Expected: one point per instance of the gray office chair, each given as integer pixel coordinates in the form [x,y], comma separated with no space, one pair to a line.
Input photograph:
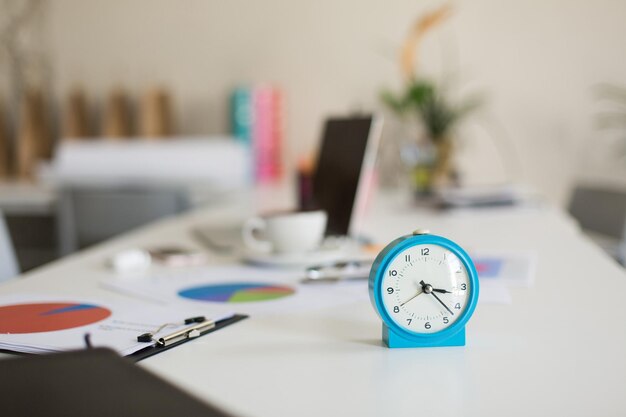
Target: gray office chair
[88,215]
[8,262]
[602,211]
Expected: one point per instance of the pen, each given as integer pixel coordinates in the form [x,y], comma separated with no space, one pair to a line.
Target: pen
[339,271]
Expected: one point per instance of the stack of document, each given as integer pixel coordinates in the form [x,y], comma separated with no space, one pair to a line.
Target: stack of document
[42,324]
[479,196]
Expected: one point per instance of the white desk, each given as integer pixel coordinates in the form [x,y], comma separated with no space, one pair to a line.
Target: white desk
[559,349]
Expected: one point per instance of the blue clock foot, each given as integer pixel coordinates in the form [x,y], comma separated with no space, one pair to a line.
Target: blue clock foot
[394,340]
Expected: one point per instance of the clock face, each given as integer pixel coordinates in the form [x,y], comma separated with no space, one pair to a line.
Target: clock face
[425,289]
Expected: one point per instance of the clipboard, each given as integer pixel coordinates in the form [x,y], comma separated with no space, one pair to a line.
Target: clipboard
[156,349]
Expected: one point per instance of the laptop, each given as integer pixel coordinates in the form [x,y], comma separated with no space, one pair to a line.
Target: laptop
[345,171]
[342,182]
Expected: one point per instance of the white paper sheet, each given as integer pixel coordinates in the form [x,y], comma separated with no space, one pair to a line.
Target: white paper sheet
[239,288]
[112,325]
[513,269]
[494,293]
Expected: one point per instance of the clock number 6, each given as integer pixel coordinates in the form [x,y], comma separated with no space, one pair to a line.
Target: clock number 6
[427,325]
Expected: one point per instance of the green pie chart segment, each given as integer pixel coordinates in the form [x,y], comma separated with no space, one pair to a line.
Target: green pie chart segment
[244,292]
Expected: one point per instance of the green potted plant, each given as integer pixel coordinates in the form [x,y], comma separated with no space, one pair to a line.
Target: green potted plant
[430,103]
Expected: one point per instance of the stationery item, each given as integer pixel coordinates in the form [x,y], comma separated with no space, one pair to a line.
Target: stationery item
[131,260]
[156,348]
[285,232]
[218,163]
[249,290]
[241,115]
[267,132]
[478,196]
[190,332]
[305,171]
[33,139]
[76,116]
[338,271]
[5,169]
[257,120]
[117,123]
[425,289]
[138,260]
[218,241]
[321,255]
[175,256]
[92,382]
[491,292]
[513,269]
[156,114]
[45,324]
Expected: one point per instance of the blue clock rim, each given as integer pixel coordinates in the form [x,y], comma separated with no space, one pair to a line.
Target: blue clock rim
[389,253]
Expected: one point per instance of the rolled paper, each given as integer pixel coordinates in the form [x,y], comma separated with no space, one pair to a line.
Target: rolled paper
[33,139]
[156,114]
[5,169]
[117,116]
[76,116]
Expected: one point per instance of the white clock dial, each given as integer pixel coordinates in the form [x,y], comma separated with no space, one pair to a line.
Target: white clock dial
[425,288]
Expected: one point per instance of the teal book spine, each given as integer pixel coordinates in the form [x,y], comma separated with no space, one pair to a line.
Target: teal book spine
[241,115]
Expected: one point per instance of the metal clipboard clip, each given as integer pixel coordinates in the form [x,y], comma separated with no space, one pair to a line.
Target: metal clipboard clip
[201,326]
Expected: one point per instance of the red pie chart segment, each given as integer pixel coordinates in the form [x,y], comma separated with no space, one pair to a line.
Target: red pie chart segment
[48,317]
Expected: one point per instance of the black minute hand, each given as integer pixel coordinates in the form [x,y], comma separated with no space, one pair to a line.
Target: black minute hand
[435,295]
[428,289]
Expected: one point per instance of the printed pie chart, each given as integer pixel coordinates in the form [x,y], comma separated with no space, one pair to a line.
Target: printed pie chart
[48,317]
[245,292]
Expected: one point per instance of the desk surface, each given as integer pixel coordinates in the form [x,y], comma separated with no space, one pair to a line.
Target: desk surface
[558,349]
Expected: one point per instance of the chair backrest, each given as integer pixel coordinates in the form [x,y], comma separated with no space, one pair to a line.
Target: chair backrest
[8,262]
[88,215]
[600,210]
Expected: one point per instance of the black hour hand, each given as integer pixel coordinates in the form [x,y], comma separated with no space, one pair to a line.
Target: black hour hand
[431,289]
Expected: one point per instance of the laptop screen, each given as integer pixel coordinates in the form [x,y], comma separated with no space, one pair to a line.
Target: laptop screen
[340,163]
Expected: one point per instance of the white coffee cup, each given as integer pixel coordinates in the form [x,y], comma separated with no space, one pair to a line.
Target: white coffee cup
[288,232]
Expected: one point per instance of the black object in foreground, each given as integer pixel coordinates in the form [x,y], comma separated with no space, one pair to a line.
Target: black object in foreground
[95,383]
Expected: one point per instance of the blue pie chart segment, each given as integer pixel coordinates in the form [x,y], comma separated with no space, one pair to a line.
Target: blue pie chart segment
[243,292]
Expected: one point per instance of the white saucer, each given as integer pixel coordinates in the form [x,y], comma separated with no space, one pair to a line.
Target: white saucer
[292,260]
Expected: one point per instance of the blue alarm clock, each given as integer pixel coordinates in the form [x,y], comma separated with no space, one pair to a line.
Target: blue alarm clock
[425,289]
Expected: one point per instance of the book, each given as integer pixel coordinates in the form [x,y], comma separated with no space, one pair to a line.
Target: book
[257,120]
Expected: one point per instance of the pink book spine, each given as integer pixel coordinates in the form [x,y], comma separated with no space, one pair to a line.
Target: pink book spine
[268,133]
[262,133]
[278,134]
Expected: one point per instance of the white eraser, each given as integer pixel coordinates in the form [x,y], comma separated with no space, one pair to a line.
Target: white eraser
[131,260]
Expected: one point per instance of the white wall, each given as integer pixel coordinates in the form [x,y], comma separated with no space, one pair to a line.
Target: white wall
[536,60]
